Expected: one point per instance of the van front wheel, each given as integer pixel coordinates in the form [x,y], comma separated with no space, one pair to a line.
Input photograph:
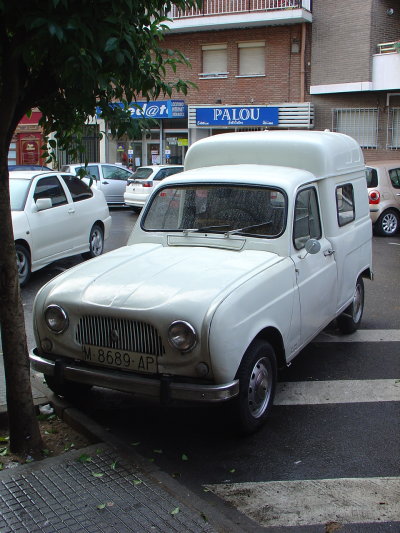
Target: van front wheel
[257,376]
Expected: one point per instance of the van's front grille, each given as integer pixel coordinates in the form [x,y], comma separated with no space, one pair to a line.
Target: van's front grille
[119,334]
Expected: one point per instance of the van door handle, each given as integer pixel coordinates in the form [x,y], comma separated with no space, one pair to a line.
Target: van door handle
[71,211]
[104,182]
[328,252]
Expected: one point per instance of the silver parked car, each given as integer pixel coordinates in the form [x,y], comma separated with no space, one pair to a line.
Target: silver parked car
[109,178]
[383,181]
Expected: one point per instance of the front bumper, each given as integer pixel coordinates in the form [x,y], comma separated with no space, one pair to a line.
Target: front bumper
[163,388]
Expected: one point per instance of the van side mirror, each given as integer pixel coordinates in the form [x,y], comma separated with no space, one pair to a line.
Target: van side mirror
[312,246]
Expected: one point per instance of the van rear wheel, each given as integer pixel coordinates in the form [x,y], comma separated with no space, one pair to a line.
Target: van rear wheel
[349,321]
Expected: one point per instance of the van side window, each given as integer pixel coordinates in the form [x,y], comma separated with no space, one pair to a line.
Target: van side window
[345,204]
[307,222]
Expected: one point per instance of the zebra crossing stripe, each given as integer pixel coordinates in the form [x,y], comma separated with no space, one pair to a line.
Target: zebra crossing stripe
[339,391]
[314,502]
[362,335]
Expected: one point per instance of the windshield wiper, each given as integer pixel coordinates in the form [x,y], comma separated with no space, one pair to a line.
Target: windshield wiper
[238,230]
[205,228]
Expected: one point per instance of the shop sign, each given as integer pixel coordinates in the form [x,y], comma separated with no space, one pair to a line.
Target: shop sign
[159,109]
[237,116]
[183,142]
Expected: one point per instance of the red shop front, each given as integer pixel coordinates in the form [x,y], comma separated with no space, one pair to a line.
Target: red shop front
[29,140]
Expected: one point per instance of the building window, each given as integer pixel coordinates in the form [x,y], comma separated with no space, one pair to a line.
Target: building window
[252,58]
[361,124]
[214,61]
[394,128]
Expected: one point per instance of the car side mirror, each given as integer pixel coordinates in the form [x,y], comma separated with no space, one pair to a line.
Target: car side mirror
[43,203]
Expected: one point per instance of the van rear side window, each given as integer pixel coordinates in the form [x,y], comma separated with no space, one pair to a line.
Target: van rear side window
[345,204]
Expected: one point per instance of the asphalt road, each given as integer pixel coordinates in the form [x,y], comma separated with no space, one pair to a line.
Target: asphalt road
[328,458]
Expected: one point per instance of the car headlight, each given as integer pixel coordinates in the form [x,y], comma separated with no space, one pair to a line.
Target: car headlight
[182,336]
[56,318]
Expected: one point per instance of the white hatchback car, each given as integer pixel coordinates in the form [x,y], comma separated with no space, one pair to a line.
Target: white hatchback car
[55,215]
[143,182]
[109,178]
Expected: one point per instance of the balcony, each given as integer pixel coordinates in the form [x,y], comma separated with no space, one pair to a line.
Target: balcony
[226,14]
[386,67]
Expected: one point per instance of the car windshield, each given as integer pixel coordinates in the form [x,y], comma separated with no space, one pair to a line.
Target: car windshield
[18,193]
[142,173]
[218,208]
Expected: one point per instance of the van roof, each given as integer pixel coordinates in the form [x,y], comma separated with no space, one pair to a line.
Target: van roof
[323,153]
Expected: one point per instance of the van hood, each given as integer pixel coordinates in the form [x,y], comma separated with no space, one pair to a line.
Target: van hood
[149,276]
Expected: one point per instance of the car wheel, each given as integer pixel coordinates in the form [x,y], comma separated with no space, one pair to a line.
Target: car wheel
[349,321]
[388,223]
[96,242]
[67,389]
[257,376]
[23,264]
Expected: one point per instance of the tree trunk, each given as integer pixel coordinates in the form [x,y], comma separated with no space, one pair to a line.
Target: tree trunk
[24,430]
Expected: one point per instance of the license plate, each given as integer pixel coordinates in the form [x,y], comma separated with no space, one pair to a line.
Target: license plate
[120,359]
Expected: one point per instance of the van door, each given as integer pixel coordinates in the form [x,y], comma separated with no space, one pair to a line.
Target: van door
[316,273]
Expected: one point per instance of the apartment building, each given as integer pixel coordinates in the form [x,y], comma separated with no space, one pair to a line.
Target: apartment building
[323,64]
[355,72]
[250,62]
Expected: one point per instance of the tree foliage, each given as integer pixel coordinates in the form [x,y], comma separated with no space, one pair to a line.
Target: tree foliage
[68,58]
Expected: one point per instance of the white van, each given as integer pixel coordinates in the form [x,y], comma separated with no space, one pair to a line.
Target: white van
[233,267]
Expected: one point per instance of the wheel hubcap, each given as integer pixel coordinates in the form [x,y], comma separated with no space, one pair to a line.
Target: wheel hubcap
[97,243]
[22,265]
[357,303]
[260,384]
[389,223]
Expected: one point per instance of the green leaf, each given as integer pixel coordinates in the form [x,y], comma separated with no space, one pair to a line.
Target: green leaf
[114,465]
[232,470]
[135,443]
[185,457]
[175,511]
[97,474]
[157,451]
[111,44]
[4,439]
[84,458]
[101,506]
[137,481]
[3,451]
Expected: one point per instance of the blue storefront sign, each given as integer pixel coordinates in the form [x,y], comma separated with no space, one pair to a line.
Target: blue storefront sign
[159,109]
[237,116]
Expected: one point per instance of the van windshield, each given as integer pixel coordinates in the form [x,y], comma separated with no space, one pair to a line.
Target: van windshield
[218,208]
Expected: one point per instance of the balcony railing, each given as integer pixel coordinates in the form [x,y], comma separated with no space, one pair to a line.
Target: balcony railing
[226,7]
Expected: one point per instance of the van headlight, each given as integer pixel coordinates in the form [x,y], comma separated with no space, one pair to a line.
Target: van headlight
[56,318]
[182,336]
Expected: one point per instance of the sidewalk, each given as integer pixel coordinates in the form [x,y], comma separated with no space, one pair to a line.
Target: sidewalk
[113,490]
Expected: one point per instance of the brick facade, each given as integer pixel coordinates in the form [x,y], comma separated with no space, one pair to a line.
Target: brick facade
[281,82]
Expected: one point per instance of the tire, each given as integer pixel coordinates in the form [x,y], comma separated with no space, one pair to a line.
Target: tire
[350,320]
[388,223]
[257,376]
[23,264]
[68,389]
[96,242]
